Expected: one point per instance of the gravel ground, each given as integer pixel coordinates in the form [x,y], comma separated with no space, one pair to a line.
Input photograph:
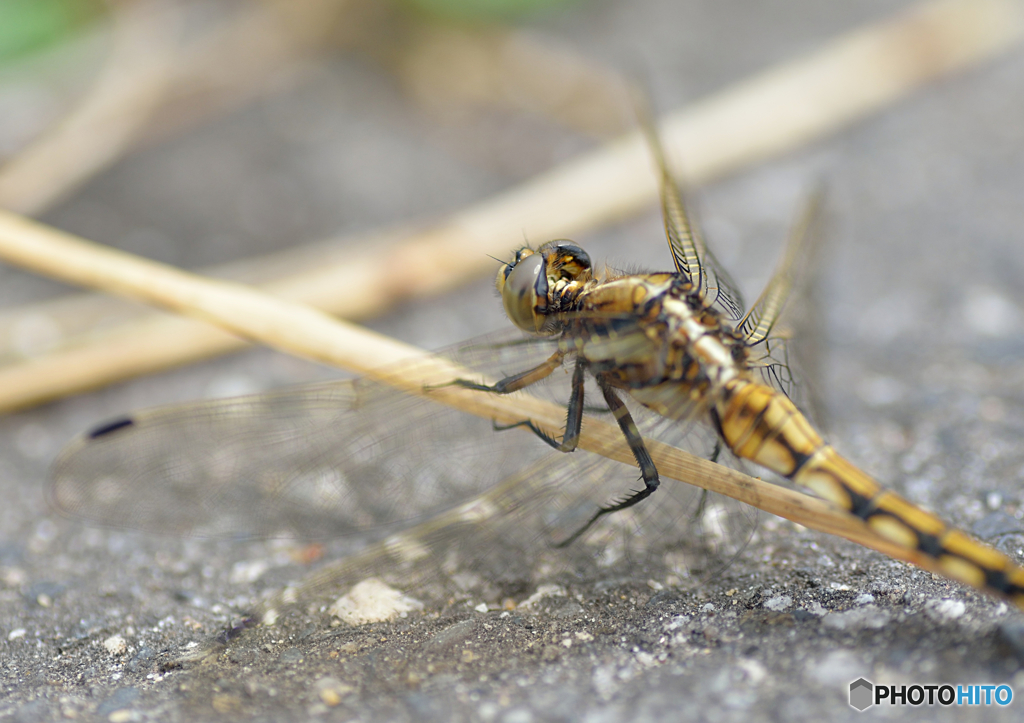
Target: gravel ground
[919,377]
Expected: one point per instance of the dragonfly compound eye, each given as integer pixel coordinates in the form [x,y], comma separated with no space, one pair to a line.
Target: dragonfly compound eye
[566,260]
[525,293]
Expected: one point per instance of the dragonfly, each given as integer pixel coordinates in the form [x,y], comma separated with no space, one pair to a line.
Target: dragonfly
[675,358]
[679,344]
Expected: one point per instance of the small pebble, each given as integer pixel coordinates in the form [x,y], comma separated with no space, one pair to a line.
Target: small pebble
[944,610]
[816,608]
[372,601]
[543,591]
[115,645]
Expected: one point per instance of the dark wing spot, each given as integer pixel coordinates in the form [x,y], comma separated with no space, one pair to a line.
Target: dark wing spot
[111,426]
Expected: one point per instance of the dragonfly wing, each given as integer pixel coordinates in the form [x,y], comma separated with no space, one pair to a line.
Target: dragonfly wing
[314,461]
[679,518]
[358,457]
[693,260]
[509,533]
[680,530]
[758,322]
[770,348]
[698,532]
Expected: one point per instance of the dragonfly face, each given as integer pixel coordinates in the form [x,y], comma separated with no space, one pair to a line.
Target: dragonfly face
[537,284]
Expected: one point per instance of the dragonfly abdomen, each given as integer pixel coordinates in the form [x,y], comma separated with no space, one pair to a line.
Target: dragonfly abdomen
[762,425]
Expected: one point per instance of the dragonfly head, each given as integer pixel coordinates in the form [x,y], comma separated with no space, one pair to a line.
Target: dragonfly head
[535,284]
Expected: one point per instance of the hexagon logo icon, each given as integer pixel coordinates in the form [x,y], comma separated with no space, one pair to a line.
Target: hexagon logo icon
[861,694]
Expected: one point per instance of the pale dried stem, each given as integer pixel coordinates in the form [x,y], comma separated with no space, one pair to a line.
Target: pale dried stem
[312,334]
[778,110]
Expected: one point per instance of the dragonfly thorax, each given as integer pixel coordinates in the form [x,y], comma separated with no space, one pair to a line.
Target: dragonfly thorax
[537,284]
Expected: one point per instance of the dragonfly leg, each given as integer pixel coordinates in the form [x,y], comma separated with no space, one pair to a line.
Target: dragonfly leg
[716,452]
[702,504]
[573,420]
[636,445]
[517,381]
[648,471]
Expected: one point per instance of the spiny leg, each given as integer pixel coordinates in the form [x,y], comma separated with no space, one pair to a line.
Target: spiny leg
[648,472]
[573,420]
[514,382]
[716,452]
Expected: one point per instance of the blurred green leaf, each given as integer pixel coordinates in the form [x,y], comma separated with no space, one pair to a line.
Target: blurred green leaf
[30,25]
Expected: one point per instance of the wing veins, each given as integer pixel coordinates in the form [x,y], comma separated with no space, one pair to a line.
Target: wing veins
[762,316]
[693,260]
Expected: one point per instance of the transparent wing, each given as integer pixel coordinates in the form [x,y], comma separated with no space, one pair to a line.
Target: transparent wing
[693,259]
[358,457]
[682,530]
[315,461]
[761,318]
[769,347]
[508,534]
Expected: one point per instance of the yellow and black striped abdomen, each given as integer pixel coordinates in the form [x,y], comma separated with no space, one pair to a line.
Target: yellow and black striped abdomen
[762,425]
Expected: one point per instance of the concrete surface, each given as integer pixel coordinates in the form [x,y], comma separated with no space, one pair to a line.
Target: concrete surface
[921,377]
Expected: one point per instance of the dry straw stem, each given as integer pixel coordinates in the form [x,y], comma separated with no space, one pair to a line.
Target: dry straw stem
[313,334]
[775,111]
